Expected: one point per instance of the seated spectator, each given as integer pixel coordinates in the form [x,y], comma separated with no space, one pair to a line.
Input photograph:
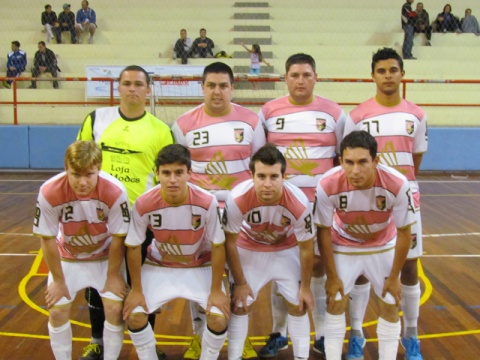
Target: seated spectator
[422,22]
[202,46]
[469,23]
[67,22]
[16,63]
[44,61]
[86,21]
[182,47]
[50,21]
[446,21]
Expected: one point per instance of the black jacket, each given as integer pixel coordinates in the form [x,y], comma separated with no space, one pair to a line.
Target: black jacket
[49,61]
[49,18]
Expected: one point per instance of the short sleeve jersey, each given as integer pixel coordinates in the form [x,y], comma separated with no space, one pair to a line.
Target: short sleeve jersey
[400,131]
[129,146]
[307,135]
[220,147]
[367,217]
[183,234]
[82,226]
[268,227]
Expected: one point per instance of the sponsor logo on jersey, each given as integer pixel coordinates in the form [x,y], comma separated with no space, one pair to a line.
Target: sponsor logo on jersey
[410,127]
[218,174]
[196,221]
[285,221]
[297,159]
[381,202]
[239,134]
[321,124]
[100,214]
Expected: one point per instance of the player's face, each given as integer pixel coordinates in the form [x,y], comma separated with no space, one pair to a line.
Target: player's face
[359,167]
[133,88]
[183,34]
[268,182]
[217,93]
[173,179]
[388,76]
[83,182]
[301,80]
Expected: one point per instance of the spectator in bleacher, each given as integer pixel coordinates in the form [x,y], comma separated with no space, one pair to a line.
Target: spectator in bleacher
[16,63]
[469,23]
[446,21]
[422,22]
[86,21]
[44,61]
[67,22]
[408,25]
[182,47]
[50,21]
[202,46]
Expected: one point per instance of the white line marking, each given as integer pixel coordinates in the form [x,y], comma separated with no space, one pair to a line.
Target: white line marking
[18,254]
[453,234]
[15,234]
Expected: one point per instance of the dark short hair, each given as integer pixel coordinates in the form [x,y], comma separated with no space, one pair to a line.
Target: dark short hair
[217,68]
[47,6]
[16,43]
[300,58]
[359,139]
[203,29]
[135,68]
[268,154]
[42,43]
[385,54]
[174,154]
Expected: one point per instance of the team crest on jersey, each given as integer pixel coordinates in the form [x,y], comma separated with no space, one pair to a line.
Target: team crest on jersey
[381,202]
[196,221]
[239,135]
[410,127]
[285,221]
[321,124]
[100,214]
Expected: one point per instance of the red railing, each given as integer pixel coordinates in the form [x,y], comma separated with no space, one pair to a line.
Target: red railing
[112,101]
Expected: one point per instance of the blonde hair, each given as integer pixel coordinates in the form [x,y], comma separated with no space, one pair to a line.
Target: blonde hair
[82,155]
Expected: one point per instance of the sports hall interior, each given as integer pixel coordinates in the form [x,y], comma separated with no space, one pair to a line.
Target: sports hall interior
[341,35]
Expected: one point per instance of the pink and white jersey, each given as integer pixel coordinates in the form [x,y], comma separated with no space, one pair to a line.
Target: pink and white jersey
[220,147]
[268,227]
[367,217]
[183,234]
[82,226]
[307,135]
[400,131]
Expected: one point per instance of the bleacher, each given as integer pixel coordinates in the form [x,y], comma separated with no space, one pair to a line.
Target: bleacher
[341,35]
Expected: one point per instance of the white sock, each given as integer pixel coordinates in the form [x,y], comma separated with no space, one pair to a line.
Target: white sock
[144,342]
[61,341]
[113,340]
[299,330]
[237,333]
[320,296]
[335,328]
[359,297]
[212,345]
[388,334]
[279,312]
[199,319]
[411,309]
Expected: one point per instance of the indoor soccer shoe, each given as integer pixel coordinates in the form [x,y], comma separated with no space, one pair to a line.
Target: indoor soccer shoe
[275,343]
[319,346]
[248,350]
[160,354]
[92,352]
[355,348]
[195,349]
[412,348]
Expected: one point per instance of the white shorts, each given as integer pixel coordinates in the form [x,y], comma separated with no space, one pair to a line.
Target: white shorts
[416,248]
[375,264]
[82,274]
[162,284]
[283,267]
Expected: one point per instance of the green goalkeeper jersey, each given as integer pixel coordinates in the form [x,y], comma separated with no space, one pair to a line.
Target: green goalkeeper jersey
[129,146]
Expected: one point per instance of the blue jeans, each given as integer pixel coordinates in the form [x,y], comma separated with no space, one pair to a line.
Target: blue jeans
[408,41]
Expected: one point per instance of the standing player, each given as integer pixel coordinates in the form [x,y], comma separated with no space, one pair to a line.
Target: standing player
[186,258]
[221,137]
[307,129]
[130,139]
[268,226]
[363,212]
[82,218]
[400,128]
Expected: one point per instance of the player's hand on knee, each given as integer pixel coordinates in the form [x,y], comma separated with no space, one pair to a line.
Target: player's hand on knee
[334,286]
[55,291]
[134,299]
[393,286]
[239,296]
[220,301]
[117,285]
